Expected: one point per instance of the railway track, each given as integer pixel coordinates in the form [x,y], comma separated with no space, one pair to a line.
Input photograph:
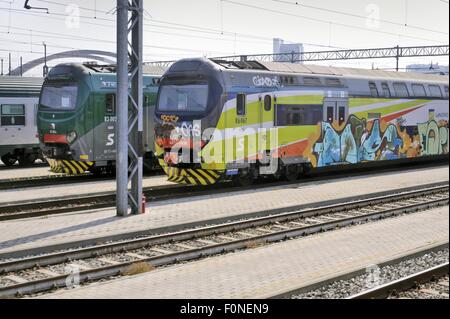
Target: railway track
[104,200]
[430,283]
[52,180]
[37,208]
[56,179]
[36,274]
[49,180]
[3,167]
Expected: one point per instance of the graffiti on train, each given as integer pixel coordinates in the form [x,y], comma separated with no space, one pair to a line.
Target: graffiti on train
[357,142]
[433,137]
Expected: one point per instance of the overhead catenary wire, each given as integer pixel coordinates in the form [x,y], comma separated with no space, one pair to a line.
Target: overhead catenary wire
[171,25]
[326,21]
[354,15]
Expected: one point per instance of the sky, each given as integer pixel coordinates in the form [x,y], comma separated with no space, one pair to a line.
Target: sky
[175,29]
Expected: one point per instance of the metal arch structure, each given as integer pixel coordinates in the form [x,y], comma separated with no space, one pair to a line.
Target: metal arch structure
[336,55]
[103,56]
[130,38]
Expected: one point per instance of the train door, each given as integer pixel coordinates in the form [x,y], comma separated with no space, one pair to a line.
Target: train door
[342,111]
[149,124]
[105,130]
[335,110]
[266,124]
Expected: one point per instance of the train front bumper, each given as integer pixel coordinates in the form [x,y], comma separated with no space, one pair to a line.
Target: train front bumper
[69,166]
[190,176]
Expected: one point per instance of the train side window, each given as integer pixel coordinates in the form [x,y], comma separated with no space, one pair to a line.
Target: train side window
[401,90]
[267,103]
[419,90]
[446,92]
[12,115]
[373,89]
[386,90]
[110,104]
[435,91]
[241,107]
[341,115]
[330,114]
[295,115]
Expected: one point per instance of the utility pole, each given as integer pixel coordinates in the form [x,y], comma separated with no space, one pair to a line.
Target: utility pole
[21,66]
[45,70]
[9,67]
[2,66]
[397,58]
[129,127]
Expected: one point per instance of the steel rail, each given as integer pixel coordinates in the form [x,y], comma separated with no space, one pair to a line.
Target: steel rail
[403,284]
[3,167]
[215,248]
[37,208]
[104,200]
[38,181]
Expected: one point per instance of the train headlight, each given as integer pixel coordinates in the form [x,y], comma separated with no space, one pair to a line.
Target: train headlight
[71,137]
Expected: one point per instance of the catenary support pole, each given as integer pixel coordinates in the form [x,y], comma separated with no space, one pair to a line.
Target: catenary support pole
[130,105]
[136,144]
[122,109]
[397,59]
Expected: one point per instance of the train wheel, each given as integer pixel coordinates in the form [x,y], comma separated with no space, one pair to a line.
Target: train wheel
[9,160]
[245,178]
[96,171]
[292,172]
[306,170]
[27,159]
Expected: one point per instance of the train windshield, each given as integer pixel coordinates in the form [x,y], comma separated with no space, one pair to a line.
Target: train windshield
[59,97]
[183,98]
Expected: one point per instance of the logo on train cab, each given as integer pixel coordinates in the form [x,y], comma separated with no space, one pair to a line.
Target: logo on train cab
[266,81]
[108,84]
[170,118]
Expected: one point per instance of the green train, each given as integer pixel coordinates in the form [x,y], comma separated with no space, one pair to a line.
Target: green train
[77,117]
[221,120]
[19,97]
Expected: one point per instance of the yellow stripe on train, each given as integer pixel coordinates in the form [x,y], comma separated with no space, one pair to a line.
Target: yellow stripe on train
[69,167]
[191,176]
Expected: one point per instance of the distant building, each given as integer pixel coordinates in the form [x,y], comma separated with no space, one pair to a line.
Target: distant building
[428,68]
[292,51]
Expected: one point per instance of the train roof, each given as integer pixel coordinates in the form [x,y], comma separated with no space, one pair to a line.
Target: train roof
[75,70]
[309,69]
[17,86]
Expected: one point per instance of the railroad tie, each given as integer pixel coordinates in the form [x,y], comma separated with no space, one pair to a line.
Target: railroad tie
[162,251]
[109,261]
[206,242]
[243,233]
[433,293]
[226,238]
[48,272]
[184,246]
[137,256]
[16,279]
